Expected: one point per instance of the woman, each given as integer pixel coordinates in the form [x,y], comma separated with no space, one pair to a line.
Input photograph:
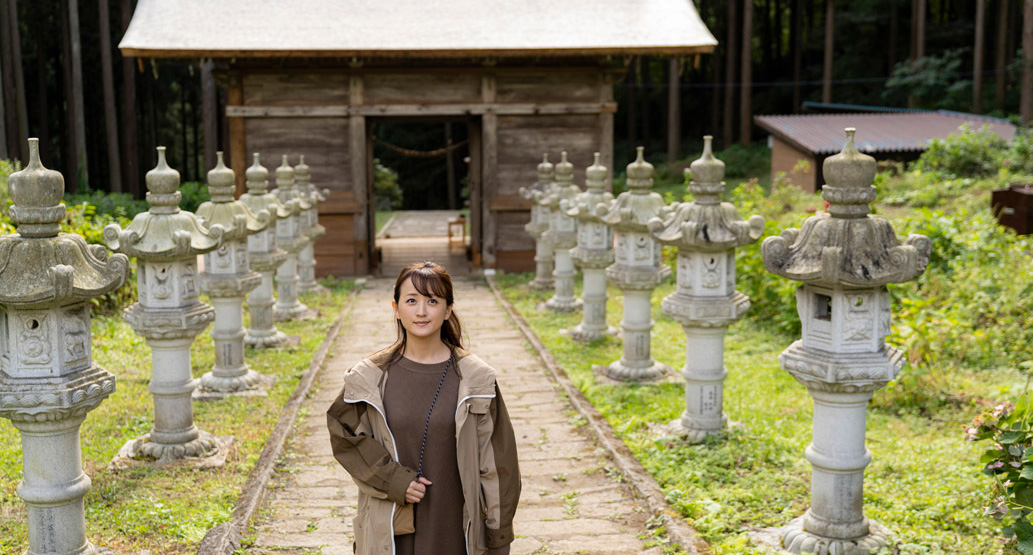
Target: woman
[422,429]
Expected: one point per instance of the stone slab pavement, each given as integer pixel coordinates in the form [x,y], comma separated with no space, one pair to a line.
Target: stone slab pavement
[569,504]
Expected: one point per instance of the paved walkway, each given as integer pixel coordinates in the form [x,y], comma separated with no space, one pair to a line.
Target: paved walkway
[568,504]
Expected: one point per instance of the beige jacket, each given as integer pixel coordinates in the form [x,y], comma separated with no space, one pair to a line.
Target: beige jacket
[485,447]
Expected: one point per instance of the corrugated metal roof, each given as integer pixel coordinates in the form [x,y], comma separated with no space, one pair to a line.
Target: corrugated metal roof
[414,28]
[823,133]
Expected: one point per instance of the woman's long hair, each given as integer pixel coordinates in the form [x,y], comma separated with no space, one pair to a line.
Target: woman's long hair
[429,279]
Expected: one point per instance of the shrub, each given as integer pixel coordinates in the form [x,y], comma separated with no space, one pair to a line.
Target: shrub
[965,153]
[194,194]
[1009,461]
[746,161]
[118,205]
[386,188]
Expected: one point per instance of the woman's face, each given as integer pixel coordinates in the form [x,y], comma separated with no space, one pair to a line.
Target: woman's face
[421,316]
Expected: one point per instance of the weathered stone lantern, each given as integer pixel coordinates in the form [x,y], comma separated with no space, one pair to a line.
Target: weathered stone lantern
[594,252]
[310,228]
[706,232]
[168,314]
[290,238]
[48,380]
[844,258]
[637,270]
[226,279]
[562,235]
[265,257]
[539,224]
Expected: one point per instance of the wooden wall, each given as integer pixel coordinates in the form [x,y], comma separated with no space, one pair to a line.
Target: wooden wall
[521,112]
[786,158]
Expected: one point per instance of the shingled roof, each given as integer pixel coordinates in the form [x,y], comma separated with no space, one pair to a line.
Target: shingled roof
[882,132]
[414,28]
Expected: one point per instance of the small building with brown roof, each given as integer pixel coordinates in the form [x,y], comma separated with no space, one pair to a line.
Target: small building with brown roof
[313,76]
[800,143]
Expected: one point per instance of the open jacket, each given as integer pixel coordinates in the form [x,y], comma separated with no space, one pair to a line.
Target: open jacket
[485,449]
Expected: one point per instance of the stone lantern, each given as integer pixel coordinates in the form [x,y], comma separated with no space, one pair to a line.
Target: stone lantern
[48,380]
[562,236]
[290,238]
[310,228]
[844,259]
[168,314]
[539,224]
[265,258]
[706,232]
[594,252]
[226,279]
[637,270]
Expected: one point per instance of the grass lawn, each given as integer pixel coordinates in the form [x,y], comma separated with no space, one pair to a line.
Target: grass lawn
[924,483]
[166,511]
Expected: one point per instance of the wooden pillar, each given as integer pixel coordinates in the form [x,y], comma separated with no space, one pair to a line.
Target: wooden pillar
[238,137]
[1026,100]
[673,110]
[360,160]
[490,174]
[3,117]
[977,59]
[473,131]
[210,116]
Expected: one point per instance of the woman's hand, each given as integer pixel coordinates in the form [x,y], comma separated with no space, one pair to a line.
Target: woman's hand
[417,489]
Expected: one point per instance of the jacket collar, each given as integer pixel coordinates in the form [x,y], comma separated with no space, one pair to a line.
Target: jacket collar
[365,380]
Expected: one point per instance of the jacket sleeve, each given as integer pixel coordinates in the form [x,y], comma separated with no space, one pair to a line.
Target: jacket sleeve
[500,476]
[369,463]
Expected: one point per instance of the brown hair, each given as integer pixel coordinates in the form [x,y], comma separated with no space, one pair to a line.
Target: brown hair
[429,279]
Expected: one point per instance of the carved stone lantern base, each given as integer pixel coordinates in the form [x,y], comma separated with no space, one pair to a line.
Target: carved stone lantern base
[206,451]
[271,340]
[247,384]
[581,334]
[623,372]
[797,540]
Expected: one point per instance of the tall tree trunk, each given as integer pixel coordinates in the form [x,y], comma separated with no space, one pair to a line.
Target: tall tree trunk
[914,31]
[130,149]
[210,115]
[767,39]
[7,82]
[185,152]
[1026,100]
[830,41]
[779,51]
[892,39]
[977,59]
[1001,55]
[632,100]
[673,110]
[110,115]
[42,103]
[920,17]
[645,75]
[19,81]
[4,154]
[796,38]
[70,148]
[450,168]
[729,124]
[745,119]
[82,174]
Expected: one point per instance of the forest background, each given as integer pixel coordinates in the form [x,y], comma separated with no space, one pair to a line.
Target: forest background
[99,115]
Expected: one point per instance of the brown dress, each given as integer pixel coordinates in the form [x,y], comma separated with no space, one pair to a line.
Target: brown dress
[439,515]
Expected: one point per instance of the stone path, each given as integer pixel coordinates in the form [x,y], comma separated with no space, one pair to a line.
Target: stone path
[569,503]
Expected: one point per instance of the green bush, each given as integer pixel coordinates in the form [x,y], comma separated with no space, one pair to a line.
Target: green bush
[118,205]
[965,153]
[746,161]
[194,194]
[385,187]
